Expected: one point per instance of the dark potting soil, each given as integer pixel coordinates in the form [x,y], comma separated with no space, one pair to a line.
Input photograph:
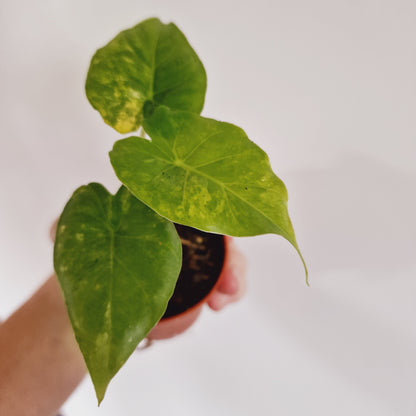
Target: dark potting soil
[202,260]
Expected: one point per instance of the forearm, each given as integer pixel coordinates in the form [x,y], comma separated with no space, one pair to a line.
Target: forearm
[40,362]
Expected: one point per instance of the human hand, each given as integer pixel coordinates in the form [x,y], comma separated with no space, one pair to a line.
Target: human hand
[233,283]
[52,230]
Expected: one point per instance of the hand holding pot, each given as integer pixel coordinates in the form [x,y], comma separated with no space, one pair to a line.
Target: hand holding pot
[38,340]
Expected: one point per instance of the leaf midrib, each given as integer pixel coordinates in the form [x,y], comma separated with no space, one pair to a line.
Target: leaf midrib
[237,196]
[187,168]
[154,65]
[109,319]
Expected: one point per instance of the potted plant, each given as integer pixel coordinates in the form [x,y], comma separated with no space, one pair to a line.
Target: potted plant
[118,257]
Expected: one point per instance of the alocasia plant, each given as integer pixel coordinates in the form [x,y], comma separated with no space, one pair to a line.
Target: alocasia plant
[118,257]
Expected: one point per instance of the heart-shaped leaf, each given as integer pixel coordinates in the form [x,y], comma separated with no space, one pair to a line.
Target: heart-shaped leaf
[205,174]
[117,262]
[149,62]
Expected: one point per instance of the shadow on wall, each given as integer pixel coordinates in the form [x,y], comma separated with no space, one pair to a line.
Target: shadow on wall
[359,240]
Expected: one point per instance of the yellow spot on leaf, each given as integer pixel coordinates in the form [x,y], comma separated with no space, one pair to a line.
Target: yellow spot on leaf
[129,117]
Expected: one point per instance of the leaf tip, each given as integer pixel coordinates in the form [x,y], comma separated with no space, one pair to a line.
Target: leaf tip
[304,264]
[306,269]
[100,392]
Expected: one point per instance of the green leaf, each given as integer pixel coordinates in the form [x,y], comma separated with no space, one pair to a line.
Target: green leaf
[151,62]
[117,262]
[205,174]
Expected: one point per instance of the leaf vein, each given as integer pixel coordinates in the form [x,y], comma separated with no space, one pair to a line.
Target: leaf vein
[199,145]
[217,160]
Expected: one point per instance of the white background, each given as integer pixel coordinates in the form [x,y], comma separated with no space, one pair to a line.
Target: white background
[328,89]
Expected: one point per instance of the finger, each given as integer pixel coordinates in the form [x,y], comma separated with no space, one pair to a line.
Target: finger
[218,301]
[52,230]
[233,283]
[229,283]
[234,273]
